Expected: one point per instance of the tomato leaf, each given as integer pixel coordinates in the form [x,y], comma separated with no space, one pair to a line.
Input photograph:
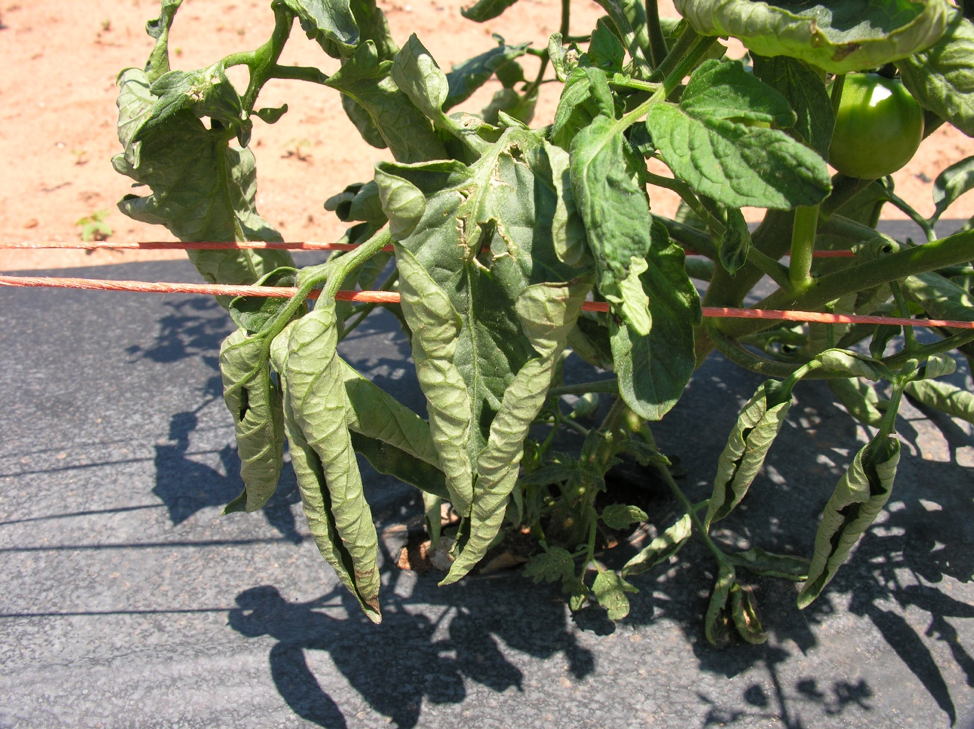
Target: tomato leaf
[939,77]
[951,184]
[944,397]
[732,162]
[329,22]
[202,189]
[329,480]
[484,10]
[804,88]
[610,590]
[255,403]
[553,565]
[747,446]
[660,549]
[835,35]
[858,498]
[367,80]
[158,62]
[466,77]
[620,516]
[768,564]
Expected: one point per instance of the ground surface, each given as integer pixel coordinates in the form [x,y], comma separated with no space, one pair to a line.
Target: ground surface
[126,600]
[57,113]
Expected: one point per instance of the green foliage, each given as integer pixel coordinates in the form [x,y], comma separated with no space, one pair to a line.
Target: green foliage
[502,234]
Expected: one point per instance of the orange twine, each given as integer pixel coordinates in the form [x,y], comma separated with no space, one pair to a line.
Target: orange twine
[390,297]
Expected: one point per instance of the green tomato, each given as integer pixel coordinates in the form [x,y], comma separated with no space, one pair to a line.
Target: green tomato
[878,127]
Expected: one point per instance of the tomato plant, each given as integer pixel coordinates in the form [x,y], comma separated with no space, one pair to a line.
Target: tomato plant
[878,126]
[501,233]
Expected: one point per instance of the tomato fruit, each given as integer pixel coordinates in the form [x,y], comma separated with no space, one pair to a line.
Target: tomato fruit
[878,127]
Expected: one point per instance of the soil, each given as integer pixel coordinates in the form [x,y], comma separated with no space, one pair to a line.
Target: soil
[57,115]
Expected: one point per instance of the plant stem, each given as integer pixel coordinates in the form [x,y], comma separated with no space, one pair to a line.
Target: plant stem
[657,43]
[345,264]
[910,344]
[609,385]
[266,57]
[566,9]
[913,215]
[691,510]
[298,73]
[671,81]
[803,246]
[953,250]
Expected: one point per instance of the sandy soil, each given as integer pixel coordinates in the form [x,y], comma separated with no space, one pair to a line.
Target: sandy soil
[57,114]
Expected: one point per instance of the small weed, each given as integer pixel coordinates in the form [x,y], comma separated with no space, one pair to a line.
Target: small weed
[94,227]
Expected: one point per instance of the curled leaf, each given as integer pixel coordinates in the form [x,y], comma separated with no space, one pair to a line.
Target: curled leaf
[660,549]
[858,498]
[747,446]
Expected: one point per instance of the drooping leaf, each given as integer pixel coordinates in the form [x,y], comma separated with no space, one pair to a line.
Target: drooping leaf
[376,414]
[484,10]
[858,498]
[716,619]
[316,408]
[745,613]
[552,565]
[620,516]
[466,77]
[951,184]
[201,188]
[367,80]
[704,142]
[747,446]
[859,399]
[944,397]
[610,590]
[640,273]
[547,313]
[475,295]
[853,364]
[768,564]
[804,88]
[653,370]
[940,78]
[661,548]
[255,403]
[835,35]
[430,313]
